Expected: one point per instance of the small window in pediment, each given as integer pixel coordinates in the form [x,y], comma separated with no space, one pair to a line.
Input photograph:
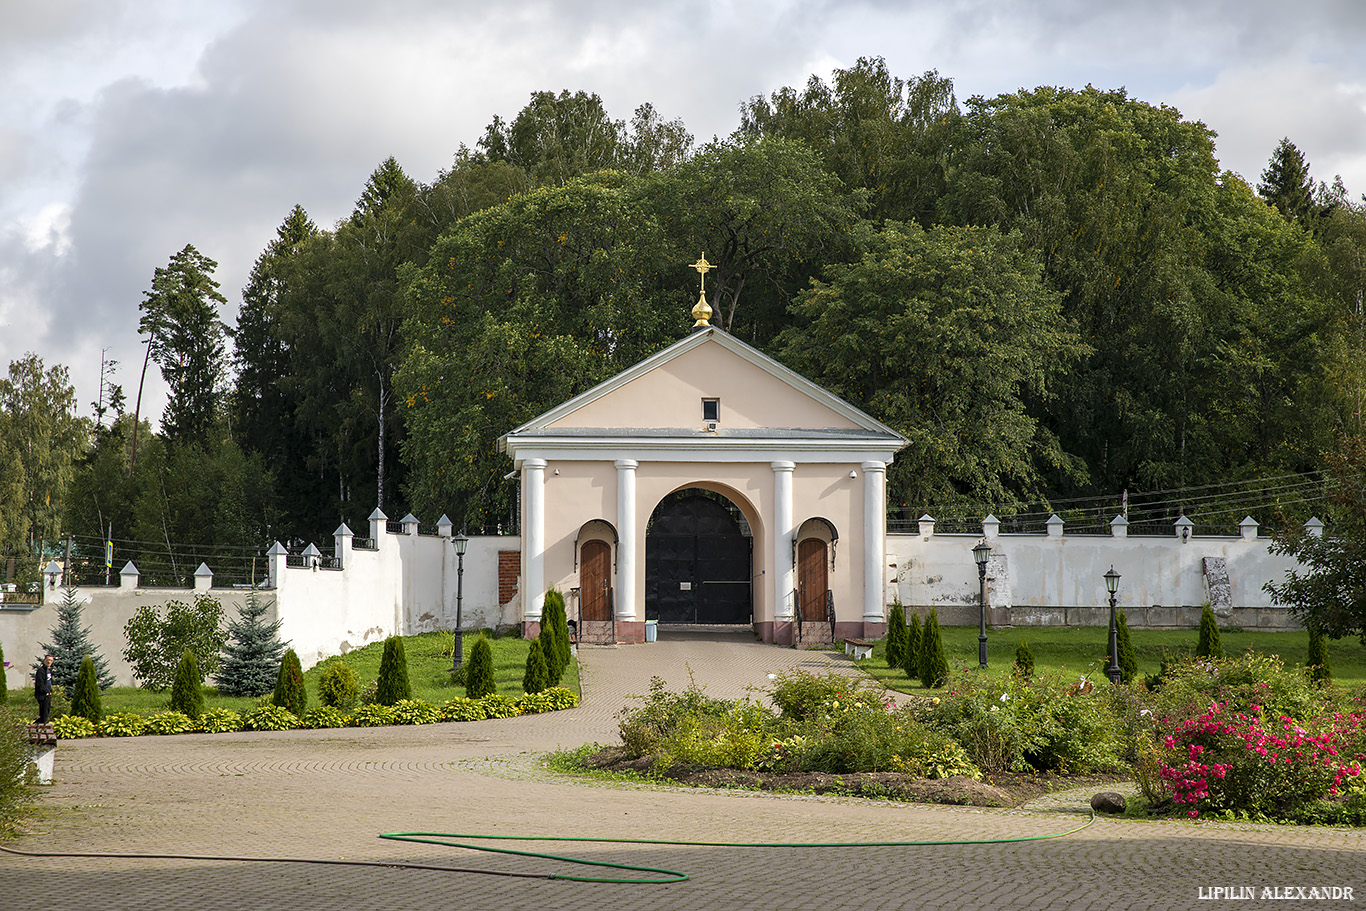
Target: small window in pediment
[711,409]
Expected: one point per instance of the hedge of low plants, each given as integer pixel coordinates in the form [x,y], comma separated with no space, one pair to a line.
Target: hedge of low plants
[270,717]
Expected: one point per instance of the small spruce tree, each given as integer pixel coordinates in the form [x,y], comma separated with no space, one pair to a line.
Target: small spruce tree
[71,644]
[479,678]
[910,650]
[290,691]
[1208,645]
[534,680]
[85,697]
[393,674]
[186,695]
[1128,664]
[896,634]
[934,666]
[251,656]
[1024,661]
[1320,672]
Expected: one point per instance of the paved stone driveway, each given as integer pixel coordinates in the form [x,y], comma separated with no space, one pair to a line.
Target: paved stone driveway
[327,794]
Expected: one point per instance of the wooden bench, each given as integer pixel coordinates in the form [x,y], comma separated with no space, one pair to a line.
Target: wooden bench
[859,648]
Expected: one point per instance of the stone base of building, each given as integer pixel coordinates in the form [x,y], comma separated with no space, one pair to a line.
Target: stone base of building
[816,634]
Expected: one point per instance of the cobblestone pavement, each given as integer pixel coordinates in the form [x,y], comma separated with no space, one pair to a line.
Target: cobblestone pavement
[328,794]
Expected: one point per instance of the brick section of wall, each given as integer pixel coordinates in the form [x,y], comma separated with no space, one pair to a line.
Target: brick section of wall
[509,568]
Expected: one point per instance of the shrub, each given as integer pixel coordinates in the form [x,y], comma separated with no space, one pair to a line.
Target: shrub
[1192,684]
[337,687]
[479,678]
[799,695]
[85,698]
[73,727]
[552,699]
[17,779]
[910,652]
[934,666]
[1208,645]
[462,709]
[270,718]
[1124,649]
[644,729]
[370,716]
[251,655]
[186,695]
[122,724]
[496,706]
[324,716]
[1024,661]
[554,637]
[290,690]
[1320,672]
[414,711]
[219,721]
[172,722]
[155,643]
[896,635]
[534,679]
[393,674]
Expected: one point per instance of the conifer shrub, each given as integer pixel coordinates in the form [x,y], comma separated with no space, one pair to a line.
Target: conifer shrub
[393,682]
[554,637]
[479,679]
[186,695]
[85,696]
[71,645]
[1124,649]
[337,686]
[290,691]
[1208,645]
[1024,661]
[896,635]
[251,656]
[934,665]
[534,679]
[910,651]
[1320,672]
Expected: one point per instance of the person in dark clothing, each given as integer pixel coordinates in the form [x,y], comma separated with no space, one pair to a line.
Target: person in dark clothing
[42,689]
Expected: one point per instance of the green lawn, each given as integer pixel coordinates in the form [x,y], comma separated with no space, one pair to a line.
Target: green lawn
[1083,649]
[429,670]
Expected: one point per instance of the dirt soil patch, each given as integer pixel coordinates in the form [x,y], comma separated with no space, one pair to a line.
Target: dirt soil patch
[1000,791]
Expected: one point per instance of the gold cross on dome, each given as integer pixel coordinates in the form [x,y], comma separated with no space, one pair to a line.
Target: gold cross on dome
[702,312]
[703,267]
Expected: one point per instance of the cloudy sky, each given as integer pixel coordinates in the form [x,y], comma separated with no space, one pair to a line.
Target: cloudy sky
[129,128]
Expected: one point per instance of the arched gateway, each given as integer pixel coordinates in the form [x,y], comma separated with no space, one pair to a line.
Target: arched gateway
[625,491]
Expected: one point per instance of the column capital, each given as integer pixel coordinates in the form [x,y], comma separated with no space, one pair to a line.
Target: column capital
[874,466]
[783,466]
[626,464]
[534,464]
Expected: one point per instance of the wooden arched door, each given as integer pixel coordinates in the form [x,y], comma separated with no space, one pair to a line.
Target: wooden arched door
[595,578]
[812,577]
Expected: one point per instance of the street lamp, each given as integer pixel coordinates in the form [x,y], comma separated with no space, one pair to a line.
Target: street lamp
[1112,586]
[980,553]
[461,543]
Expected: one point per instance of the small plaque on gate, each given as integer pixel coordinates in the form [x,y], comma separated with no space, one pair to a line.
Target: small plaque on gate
[685,586]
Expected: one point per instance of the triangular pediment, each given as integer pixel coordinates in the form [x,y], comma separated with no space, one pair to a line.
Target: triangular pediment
[663,395]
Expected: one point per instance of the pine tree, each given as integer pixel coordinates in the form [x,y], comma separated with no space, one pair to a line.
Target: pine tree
[1208,645]
[251,657]
[71,644]
[1320,671]
[1128,664]
[479,678]
[290,691]
[186,693]
[534,680]
[1024,661]
[85,697]
[393,674]
[934,665]
[896,634]
[910,652]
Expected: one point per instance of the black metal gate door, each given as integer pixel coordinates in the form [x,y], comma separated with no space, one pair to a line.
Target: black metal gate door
[697,564]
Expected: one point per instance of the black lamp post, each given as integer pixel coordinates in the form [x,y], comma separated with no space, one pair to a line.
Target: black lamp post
[980,553]
[1112,586]
[461,543]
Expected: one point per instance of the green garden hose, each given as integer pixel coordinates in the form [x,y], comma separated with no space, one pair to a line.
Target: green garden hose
[675,876]
[665,877]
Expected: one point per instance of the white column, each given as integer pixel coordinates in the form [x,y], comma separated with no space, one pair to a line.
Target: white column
[874,540]
[533,561]
[783,573]
[626,540]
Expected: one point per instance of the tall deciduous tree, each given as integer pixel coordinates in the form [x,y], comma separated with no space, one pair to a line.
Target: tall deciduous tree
[186,340]
[945,335]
